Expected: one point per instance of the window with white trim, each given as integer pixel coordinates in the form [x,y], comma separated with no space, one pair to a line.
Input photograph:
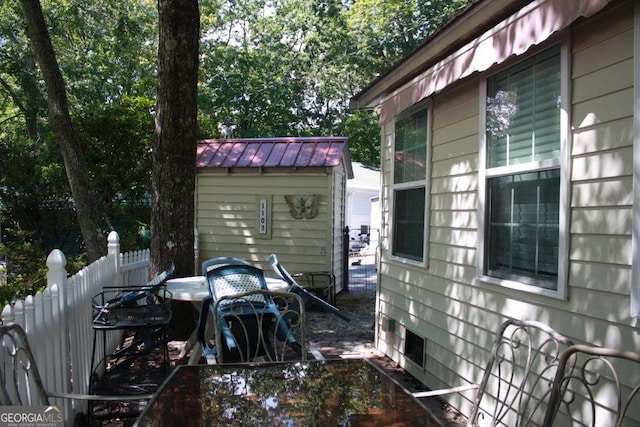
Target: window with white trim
[522,188]
[409,184]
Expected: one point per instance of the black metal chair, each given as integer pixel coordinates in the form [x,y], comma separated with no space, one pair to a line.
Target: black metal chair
[307,297]
[145,310]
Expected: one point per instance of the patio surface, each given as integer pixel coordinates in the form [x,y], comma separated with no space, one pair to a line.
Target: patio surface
[334,338]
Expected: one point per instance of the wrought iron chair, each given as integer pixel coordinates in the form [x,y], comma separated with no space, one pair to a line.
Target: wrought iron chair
[516,380]
[307,297]
[146,310]
[587,390]
[22,384]
[250,321]
[248,330]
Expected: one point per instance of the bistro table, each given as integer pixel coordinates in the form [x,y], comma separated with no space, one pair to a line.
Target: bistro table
[334,392]
[194,289]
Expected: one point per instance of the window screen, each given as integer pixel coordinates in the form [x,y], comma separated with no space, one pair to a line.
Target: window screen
[523,230]
[408,224]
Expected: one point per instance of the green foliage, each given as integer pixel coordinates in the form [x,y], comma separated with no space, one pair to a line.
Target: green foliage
[289,67]
[25,271]
[120,164]
[275,67]
[106,48]
[363,128]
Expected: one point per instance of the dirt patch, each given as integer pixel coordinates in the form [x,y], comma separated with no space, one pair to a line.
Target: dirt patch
[336,337]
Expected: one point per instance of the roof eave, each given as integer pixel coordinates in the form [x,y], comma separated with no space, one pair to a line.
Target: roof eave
[476,18]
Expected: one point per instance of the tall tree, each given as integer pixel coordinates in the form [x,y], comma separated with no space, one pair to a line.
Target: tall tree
[288,67]
[174,146]
[58,108]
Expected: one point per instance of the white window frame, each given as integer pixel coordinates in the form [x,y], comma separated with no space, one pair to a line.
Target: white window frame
[425,105]
[565,173]
[635,262]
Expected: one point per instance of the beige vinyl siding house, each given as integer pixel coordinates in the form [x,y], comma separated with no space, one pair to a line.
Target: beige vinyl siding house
[448,294]
[239,188]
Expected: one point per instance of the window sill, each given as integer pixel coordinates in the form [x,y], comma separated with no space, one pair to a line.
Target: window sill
[408,261]
[517,286]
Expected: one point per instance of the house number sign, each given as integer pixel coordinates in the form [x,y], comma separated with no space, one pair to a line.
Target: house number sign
[263,216]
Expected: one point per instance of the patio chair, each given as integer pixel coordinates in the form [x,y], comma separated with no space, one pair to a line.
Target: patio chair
[249,319]
[307,297]
[516,380]
[212,263]
[22,383]
[146,310]
[587,390]
[247,329]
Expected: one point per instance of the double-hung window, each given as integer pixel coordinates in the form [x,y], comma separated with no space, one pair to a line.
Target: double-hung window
[409,184]
[522,189]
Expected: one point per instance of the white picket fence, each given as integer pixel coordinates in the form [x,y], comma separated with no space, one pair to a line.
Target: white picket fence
[57,321]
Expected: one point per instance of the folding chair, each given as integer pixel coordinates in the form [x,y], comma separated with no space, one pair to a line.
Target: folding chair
[307,297]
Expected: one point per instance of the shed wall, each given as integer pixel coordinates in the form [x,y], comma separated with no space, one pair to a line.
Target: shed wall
[227,215]
[339,211]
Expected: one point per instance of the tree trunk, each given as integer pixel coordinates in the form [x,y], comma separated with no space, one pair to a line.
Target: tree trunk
[174,145]
[58,106]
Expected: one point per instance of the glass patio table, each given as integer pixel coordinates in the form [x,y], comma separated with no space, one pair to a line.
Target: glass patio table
[334,392]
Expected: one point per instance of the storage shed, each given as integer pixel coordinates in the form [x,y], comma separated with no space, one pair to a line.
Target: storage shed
[258,196]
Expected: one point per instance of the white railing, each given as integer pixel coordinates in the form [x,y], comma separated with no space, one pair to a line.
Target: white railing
[57,321]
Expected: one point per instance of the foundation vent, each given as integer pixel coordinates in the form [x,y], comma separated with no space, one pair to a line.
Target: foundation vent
[414,348]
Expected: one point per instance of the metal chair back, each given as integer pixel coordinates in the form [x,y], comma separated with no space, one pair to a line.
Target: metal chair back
[589,390]
[259,332]
[21,381]
[246,316]
[306,296]
[515,385]
[220,261]
[22,385]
